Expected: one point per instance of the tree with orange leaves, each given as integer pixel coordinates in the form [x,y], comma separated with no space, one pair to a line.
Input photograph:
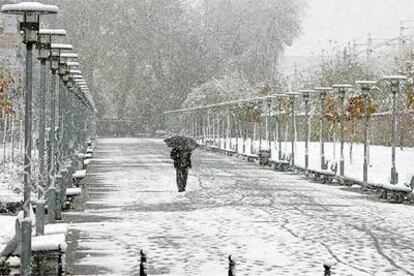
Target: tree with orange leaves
[354,112]
[332,117]
[6,81]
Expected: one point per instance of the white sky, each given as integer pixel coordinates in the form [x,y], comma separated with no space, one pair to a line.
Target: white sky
[344,20]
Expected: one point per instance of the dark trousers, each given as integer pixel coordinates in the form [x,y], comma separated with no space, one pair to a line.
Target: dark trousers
[182,175]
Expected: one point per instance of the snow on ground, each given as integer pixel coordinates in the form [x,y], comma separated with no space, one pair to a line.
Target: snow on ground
[11,175]
[10,183]
[273,223]
[6,229]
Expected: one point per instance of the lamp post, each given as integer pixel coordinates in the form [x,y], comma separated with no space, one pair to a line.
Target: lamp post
[279,130]
[268,106]
[395,82]
[342,89]
[56,67]
[322,95]
[64,129]
[292,98]
[365,88]
[73,134]
[62,99]
[306,96]
[43,44]
[30,26]
[279,98]
[63,173]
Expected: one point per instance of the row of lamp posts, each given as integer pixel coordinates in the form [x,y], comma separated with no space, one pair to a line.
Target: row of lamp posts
[341,89]
[75,123]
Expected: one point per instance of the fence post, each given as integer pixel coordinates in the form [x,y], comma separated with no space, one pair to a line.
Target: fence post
[143,266]
[327,269]
[60,262]
[232,267]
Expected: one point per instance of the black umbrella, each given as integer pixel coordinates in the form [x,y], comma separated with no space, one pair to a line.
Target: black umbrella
[181,142]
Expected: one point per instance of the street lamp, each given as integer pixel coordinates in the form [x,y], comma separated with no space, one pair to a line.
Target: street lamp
[31,12]
[279,98]
[342,89]
[306,96]
[279,131]
[57,66]
[322,94]
[43,45]
[268,103]
[365,88]
[395,82]
[292,97]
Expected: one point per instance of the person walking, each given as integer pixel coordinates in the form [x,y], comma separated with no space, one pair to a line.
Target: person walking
[182,164]
[182,148]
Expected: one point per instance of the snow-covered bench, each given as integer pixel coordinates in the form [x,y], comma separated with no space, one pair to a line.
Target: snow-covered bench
[281,164]
[249,157]
[71,193]
[230,152]
[50,247]
[86,162]
[78,176]
[213,148]
[264,157]
[397,193]
[48,254]
[325,176]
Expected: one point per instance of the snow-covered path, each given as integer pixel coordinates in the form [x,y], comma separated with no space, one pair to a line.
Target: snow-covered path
[274,223]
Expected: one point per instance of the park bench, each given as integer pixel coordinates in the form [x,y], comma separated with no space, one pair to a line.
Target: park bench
[71,194]
[213,148]
[48,254]
[230,152]
[10,207]
[281,164]
[397,193]
[47,250]
[249,157]
[86,162]
[264,157]
[78,176]
[327,175]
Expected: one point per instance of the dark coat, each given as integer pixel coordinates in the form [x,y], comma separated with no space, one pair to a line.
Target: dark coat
[182,158]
